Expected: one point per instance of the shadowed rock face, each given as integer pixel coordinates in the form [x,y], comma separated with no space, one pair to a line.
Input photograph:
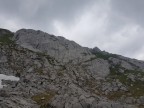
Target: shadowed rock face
[4,32]
[57,73]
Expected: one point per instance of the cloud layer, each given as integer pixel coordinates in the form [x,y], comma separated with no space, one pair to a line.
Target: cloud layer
[112,25]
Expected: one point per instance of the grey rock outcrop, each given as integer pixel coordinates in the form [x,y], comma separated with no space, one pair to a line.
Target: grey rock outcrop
[57,47]
[57,73]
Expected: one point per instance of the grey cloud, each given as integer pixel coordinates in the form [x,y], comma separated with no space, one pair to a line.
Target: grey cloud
[46,12]
[9,9]
[134,46]
[132,9]
[63,9]
[123,13]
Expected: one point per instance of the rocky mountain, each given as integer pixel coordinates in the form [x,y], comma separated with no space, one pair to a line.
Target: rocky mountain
[52,72]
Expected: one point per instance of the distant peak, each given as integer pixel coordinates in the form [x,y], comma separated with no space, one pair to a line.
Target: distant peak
[95,50]
[4,31]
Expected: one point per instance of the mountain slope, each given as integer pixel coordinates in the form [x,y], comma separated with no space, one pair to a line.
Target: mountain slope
[57,73]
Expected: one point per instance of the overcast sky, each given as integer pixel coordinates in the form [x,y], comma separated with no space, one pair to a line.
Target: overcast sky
[116,26]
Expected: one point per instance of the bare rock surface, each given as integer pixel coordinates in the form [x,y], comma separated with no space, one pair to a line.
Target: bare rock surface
[54,72]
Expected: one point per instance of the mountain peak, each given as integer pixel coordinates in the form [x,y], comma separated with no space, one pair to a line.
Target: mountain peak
[55,46]
[53,72]
[4,32]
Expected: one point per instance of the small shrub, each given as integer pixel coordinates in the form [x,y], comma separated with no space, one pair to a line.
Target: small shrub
[17,74]
[105,55]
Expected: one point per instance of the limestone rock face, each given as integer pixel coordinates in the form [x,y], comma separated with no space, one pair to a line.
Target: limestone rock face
[57,47]
[54,72]
[99,68]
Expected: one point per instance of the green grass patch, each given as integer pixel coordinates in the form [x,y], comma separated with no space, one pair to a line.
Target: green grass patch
[105,56]
[115,95]
[135,88]
[43,99]
[102,55]
[6,39]
[40,71]
[60,73]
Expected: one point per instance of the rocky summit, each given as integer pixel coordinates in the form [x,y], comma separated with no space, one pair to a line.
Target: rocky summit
[46,71]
